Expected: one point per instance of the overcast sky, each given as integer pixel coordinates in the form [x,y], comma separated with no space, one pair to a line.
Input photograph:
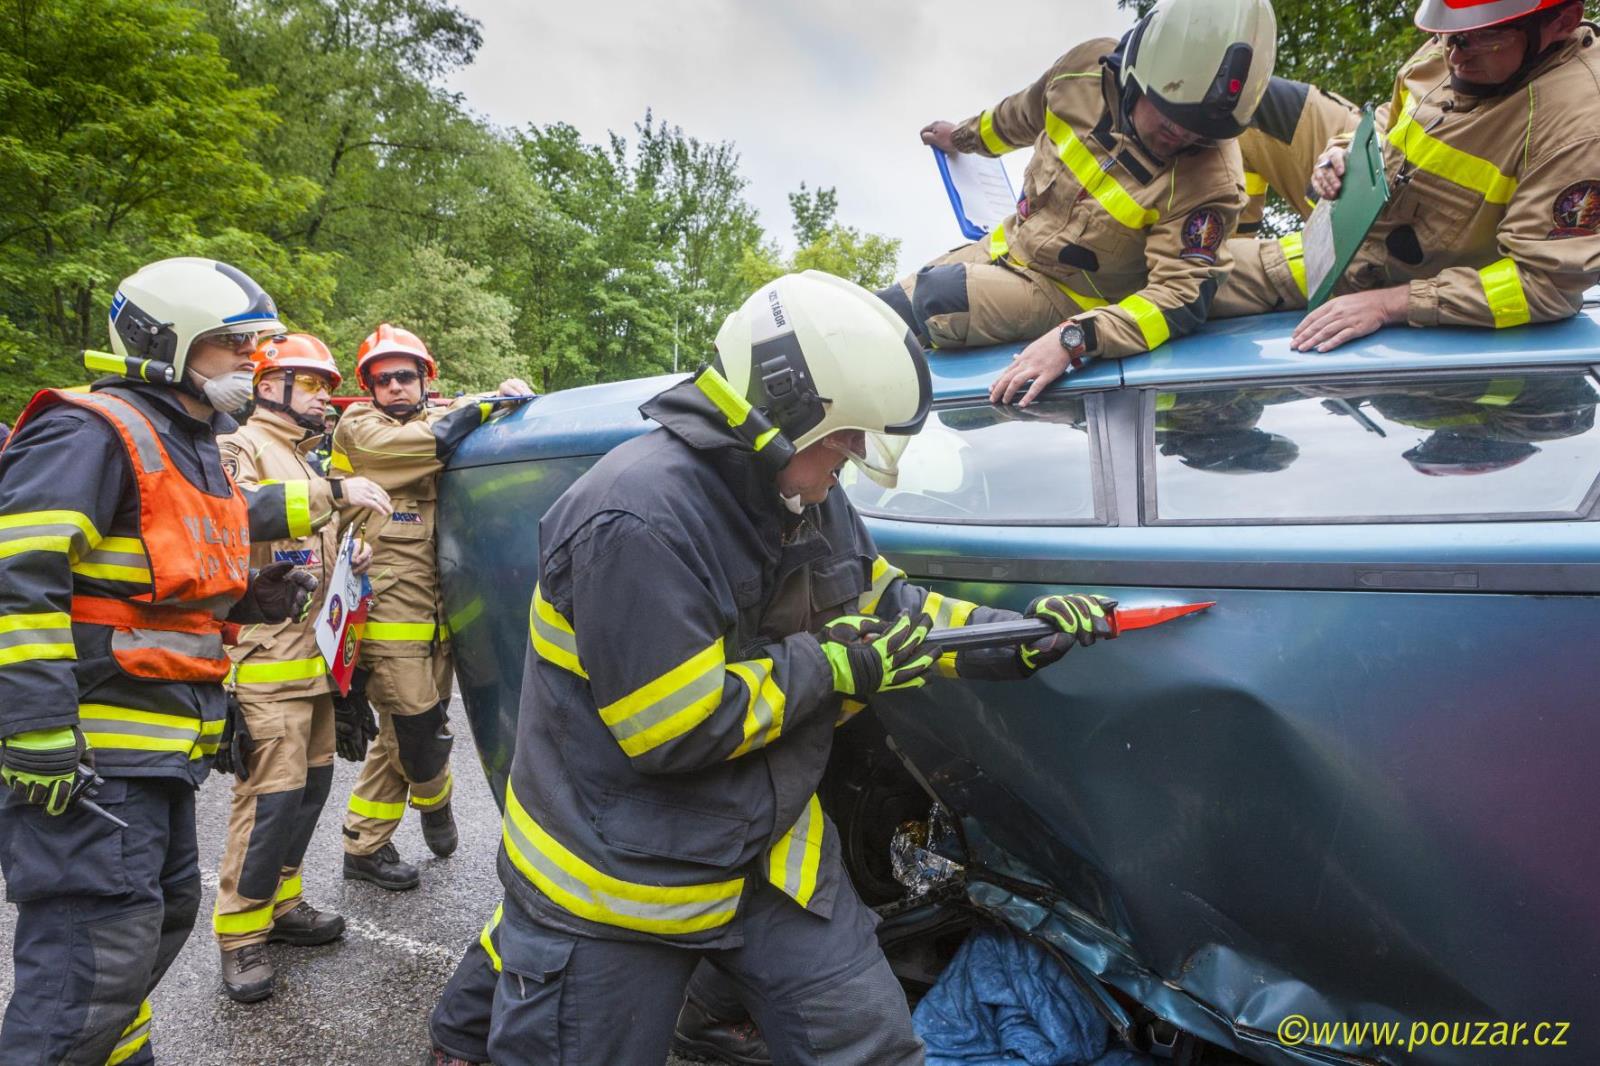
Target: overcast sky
[831,92]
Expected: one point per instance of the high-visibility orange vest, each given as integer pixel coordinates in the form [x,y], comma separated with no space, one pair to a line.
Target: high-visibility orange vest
[198,547]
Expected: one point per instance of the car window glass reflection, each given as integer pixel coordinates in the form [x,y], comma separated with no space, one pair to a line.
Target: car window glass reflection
[1453,446]
[991,464]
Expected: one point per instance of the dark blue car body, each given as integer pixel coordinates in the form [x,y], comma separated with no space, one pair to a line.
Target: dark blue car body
[1362,787]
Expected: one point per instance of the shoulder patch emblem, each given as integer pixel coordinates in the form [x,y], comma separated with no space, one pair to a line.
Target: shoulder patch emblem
[1202,236]
[1577,210]
[230,466]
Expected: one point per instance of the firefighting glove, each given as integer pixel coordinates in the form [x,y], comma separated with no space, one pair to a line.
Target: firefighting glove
[354,724]
[40,766]
[893,658]
[236,745]
[1077,619]
[282,592]
[853,628]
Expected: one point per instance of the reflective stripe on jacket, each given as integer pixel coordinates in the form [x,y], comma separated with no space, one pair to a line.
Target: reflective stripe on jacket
[677,710]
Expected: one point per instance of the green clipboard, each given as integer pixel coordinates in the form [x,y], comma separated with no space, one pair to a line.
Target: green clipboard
[1336,228]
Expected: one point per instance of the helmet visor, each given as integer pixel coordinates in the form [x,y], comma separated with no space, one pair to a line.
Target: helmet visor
[877,454]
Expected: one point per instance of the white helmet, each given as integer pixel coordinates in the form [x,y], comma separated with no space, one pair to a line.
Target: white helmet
[1204,64]
[818,354]
[160,310]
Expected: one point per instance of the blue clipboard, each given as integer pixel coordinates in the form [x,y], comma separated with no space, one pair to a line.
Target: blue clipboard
[972,230]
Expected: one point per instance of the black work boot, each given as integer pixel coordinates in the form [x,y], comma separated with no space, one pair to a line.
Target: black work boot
[439,831]
[383,868]
[247,973]
[306,926]
[700,1036]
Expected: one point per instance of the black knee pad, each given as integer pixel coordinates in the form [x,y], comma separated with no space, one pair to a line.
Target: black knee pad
[277,817]
[940,290]
[422,742]
[319,782]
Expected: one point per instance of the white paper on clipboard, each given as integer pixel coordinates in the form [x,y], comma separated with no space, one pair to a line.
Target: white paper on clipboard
[979,189]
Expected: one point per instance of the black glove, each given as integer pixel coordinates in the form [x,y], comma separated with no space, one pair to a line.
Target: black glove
[236,745]
[1077,619]
[354,724]
[278,592]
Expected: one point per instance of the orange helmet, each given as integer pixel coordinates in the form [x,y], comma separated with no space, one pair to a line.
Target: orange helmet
[295,351]
[1463,16]
[392,340]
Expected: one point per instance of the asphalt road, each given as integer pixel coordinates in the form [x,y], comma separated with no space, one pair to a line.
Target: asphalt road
[361,1001]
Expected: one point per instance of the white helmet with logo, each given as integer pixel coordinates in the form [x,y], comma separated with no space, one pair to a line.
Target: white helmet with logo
[160,311]
[818,354]
[1204,64]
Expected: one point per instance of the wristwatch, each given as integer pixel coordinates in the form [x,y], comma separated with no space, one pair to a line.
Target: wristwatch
[1074,341]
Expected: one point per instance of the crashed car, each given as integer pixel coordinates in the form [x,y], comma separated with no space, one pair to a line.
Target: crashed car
[1362,787]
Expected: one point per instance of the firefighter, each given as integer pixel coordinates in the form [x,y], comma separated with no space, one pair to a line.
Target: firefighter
[283,730]
[1110,251]
[1292,126]
[404,671]
[1491,148]
[708,610]
[124,547]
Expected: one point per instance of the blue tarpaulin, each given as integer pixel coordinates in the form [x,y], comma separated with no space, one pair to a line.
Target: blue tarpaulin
[1003,1001]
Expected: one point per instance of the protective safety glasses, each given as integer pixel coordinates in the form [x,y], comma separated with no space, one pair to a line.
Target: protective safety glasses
[311,383]
[1490,40]
[231,340]
[397,377]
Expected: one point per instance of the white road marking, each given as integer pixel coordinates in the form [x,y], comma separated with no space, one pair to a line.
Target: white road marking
[365,930]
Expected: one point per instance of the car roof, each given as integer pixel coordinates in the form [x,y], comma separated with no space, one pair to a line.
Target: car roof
[1258,347]
[595,418]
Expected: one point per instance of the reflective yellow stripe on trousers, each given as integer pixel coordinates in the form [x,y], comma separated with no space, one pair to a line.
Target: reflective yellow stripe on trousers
[400,631]
[573,884]
[134,1037]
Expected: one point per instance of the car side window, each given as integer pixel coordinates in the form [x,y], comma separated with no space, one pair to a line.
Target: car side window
[993,465]
[1440,448]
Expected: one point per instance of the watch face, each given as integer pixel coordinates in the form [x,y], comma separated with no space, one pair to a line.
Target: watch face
[1071,336]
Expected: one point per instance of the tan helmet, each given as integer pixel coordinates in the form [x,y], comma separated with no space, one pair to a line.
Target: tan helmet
[819,354]
[1204,64]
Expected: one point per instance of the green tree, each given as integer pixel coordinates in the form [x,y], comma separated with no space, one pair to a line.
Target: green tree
[868,259]
[127,138]
[447,303]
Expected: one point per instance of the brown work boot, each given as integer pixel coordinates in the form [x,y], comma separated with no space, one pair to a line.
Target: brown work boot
[700,1036]
[305,926]
[383,868]
[439,831]
[247,973]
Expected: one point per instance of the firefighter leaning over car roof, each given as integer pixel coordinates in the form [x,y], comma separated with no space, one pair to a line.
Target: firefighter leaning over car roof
[1491,146]
[404,670]
[123,550]
[709,609]
[1134,183]
[280,741]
